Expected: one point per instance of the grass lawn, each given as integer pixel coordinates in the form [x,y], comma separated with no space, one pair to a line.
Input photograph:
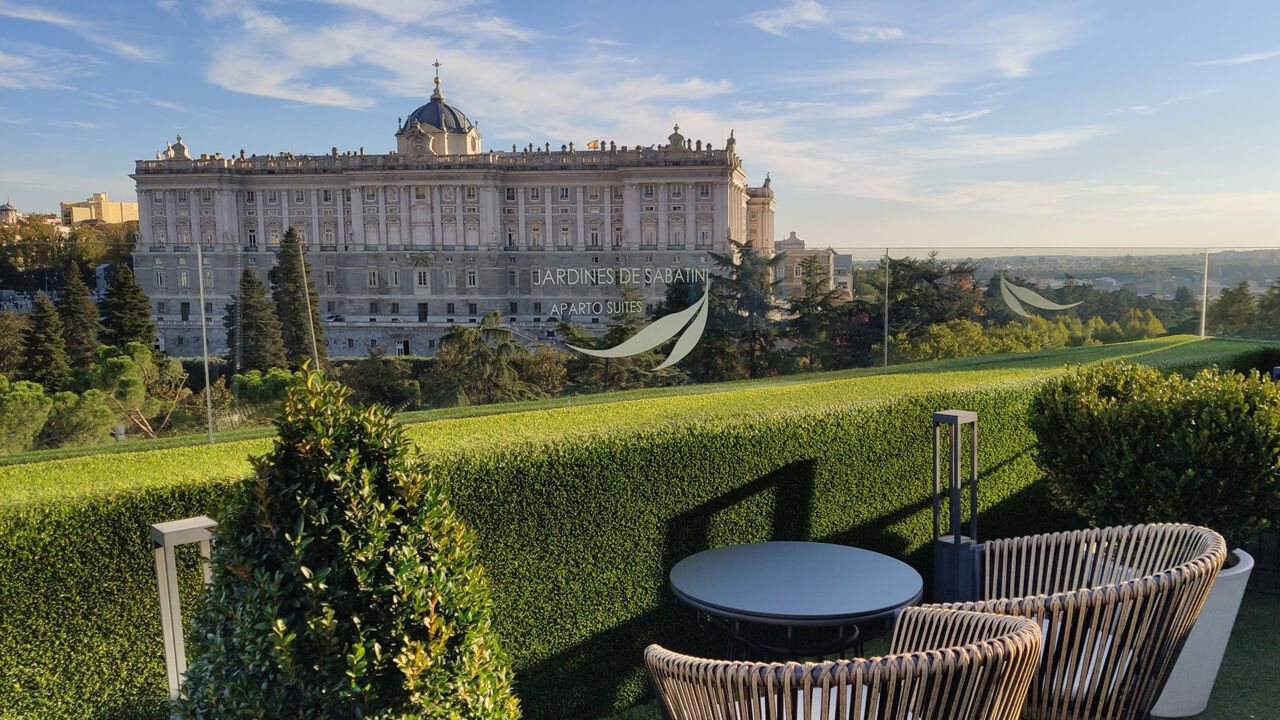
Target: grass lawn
[1246,687]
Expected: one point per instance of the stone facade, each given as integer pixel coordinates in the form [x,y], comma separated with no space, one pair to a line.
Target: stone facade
[402,245]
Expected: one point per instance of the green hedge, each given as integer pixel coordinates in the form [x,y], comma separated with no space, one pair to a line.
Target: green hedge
[579,514]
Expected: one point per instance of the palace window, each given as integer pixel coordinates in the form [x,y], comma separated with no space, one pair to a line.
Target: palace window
[471,192]
[184,280]
[450,279]
[511,237]
[271,197]
[299,197]
[160,282]
[329,277]
[593,193]
[676,191]
[157,196]
[594,237]
[704,190]
[511,278]
[472,279]
[182,196]
[564,193]
[206,197]
[424,278]
[564,235]
[251,237]
[373,308]
[471,308]
[419,192]
[648,191]
[535,193]
[535,238]
[248,197]
[449,308]
[373,278]
[370,194]
[617,192]
[511,194]
[329,237]
[326,196]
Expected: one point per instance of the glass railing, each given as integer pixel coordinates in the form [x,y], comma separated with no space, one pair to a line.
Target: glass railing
[383,315]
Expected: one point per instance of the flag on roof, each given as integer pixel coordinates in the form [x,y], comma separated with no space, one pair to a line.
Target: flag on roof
[593,145]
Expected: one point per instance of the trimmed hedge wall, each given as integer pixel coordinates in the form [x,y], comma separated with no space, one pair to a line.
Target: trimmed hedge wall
[577,537]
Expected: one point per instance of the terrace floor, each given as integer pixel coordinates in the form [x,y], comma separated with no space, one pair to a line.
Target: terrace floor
[1246,687]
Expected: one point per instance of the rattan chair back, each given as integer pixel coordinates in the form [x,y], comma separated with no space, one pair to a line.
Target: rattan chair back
[944,665]
[1115,606]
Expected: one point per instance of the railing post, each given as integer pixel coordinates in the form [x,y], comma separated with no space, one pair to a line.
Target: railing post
[165,538]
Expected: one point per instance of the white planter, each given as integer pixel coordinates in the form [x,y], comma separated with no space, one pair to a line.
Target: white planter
[1187,692]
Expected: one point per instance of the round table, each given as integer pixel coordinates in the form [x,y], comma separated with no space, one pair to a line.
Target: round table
[795,585]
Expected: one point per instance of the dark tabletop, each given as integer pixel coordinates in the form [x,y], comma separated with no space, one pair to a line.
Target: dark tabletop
[795,582]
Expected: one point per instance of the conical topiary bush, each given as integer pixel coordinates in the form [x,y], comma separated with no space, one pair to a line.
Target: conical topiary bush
[343,585]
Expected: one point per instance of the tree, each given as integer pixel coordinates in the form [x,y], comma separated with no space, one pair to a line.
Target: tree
[477,366]
[44,358]
[294,293]
[1233,312]
[592,374]
[809,325]
[344,585]
[254,337]
[11,342]
[80,325]
[144,387]
[76,420]
[749,288]
[23,410]
[715,358]
[382,380]
[126,311]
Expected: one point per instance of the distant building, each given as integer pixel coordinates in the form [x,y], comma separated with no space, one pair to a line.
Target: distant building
[98,209]
[790,271]
[441,231]
[9,214]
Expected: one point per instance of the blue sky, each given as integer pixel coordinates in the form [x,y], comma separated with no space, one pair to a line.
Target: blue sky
[883,124]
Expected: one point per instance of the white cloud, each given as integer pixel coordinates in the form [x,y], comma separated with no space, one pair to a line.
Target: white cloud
[795,14]
[874,33]
[1243,59]
[78,124]
[1153,109]
[1003,147]
[87,29]
[952,117]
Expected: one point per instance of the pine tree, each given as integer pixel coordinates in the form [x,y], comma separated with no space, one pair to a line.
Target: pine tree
[253,330]
[126,311]
[44,358]
[290,279]
[79,314]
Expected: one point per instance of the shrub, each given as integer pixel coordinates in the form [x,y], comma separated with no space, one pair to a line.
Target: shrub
[343,584]
[1123,444]
[259,387]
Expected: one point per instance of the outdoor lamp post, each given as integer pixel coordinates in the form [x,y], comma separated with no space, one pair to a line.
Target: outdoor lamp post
[954,568]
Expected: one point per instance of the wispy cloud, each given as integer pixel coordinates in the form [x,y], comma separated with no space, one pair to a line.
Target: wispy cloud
[34,66]
[1243,59]
[795,14]
[954,117]
[85,28]
[873,33]
[1004,147]
[78,124]
[1157,107]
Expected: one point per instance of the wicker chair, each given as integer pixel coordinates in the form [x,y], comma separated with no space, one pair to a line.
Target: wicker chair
[1114,604]
[944,665]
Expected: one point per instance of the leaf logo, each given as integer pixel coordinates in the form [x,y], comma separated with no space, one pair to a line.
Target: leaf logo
[1014,296]
[660,331]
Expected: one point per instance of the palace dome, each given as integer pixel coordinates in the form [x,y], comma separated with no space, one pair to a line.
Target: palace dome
[440,114]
